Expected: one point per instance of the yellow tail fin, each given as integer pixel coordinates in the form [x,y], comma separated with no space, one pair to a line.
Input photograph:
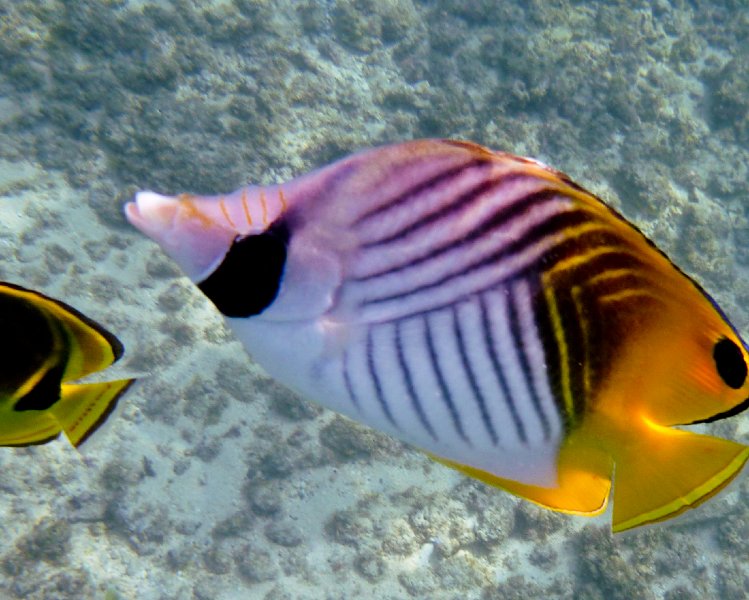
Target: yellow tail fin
[83,408]
[663,472]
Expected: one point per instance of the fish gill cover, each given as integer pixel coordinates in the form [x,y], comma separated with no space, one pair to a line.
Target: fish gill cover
[219,483]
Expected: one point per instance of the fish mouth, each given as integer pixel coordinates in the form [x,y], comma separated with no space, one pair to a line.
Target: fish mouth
[193,241]
[152,213]
[731,412]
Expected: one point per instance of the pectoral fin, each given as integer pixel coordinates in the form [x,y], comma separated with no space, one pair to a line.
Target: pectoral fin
[662,472]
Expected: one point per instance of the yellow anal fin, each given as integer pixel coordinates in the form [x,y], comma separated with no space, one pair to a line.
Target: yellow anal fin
[83,408]
[582,489]
[28,428]
[665,472]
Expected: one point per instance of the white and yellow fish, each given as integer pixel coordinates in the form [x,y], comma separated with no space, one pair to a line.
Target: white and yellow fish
[484,308]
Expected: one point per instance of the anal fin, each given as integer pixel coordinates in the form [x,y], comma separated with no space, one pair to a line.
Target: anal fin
[582,487]
[28,428]
[664,472]
[84,407]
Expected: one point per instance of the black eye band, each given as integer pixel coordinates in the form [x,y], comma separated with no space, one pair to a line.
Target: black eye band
[248,279]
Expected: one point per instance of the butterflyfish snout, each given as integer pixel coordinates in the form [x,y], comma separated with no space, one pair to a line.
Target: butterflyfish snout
[484,308]
[47,346]
[183,227]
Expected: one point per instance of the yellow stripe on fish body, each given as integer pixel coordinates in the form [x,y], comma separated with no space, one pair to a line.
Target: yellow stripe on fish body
[47,344]
[484,308]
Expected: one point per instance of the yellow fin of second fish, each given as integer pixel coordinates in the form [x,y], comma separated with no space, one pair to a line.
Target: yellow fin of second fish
[28,428]
[83,408]
[663,472]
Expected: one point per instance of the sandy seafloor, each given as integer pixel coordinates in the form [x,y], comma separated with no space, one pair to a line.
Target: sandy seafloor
[215,483]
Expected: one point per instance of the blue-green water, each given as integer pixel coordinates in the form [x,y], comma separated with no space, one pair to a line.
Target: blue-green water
[214,482]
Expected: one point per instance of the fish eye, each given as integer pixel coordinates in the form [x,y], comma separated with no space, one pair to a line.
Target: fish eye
[248,279]
[729,361]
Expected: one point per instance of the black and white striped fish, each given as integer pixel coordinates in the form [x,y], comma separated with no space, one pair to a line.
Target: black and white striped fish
[484,308]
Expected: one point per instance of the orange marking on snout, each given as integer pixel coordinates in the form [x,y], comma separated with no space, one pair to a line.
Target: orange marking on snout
[282,199]
[246,208]
[225,212]
[193,213]
[264,204]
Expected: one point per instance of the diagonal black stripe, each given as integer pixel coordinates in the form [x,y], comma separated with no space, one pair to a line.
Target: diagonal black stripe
[376,380]
[517,338]
[409,383]
[441,178]
[528,271]
[444,390]
[486,227]
[471,376]
[458,204]
[552,226]
[491,349]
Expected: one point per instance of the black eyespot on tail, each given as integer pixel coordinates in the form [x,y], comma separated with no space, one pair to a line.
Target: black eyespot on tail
[729,361]
[248,279]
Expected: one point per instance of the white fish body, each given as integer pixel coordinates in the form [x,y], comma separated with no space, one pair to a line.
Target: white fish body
[314,335]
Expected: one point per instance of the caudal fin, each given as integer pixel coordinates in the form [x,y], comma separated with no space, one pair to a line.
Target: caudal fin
[665,472]
[83,408]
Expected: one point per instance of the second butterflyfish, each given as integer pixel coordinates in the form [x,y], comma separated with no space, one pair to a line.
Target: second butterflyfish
[484,308]
[47,346]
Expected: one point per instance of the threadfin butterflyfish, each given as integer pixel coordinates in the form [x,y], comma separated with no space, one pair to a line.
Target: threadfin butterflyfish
[484,308]
[47,345]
